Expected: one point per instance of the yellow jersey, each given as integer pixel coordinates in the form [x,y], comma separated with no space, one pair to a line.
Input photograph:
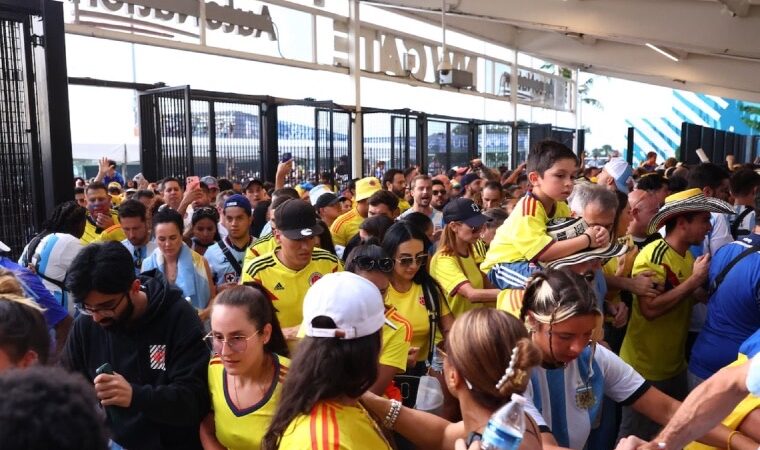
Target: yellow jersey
[243,429]
[345,227]
[411,305]
[333,426]
[287,287]
[261,246]
[656,348]
[523,237]
[480,248]
[734,420]
[451,272]
[511,301]
[403,205]
[396,341]
[92,232]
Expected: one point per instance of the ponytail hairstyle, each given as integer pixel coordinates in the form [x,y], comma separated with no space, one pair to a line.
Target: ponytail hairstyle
[259,310]
[323,369]
[555,295]
[447,244]
[493,352]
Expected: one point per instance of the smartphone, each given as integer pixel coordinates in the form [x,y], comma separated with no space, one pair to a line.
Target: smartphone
[105,368]
[287,156]
[191,182]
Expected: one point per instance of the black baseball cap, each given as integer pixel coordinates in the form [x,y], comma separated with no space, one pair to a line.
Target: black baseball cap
[327,199]
[253,181]
[464,210]
[297,220]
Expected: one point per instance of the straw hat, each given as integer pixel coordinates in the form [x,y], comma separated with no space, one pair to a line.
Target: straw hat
[690,200]
[565,228]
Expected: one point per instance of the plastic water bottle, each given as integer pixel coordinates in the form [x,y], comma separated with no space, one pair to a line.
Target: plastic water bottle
[506,426]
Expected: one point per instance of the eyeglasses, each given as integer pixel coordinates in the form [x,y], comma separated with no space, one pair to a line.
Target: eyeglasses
[420,259]
[438,192]
[238,344]
[104,311]
[367,263]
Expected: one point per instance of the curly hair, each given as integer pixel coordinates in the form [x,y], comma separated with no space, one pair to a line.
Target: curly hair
[47,407]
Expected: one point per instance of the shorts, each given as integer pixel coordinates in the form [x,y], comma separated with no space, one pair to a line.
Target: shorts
[511,275]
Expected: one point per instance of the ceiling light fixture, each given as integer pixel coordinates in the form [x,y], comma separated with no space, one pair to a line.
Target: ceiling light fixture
[662,52]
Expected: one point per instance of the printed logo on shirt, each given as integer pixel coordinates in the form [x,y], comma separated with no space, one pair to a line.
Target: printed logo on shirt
[230,277]
[422,300]
[158,357]
[314,278]
[279,287]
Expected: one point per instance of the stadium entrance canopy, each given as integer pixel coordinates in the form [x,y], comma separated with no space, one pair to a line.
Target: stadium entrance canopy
[709,46]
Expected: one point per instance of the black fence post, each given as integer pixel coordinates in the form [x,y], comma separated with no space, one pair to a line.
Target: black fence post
[269,145]
[212,159]
[629,150]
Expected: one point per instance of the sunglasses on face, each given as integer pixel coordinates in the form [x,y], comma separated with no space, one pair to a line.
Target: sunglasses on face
[420,260]
[368,264]
[438,192]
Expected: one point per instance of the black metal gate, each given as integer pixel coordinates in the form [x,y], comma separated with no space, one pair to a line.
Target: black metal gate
[33,114]
[317,136]
[166,133]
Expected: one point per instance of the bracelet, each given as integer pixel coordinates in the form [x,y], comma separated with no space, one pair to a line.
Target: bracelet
[730,436]
[390,418]
[589,239]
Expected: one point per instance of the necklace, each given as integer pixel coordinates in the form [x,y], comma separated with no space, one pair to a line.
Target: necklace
[262,387]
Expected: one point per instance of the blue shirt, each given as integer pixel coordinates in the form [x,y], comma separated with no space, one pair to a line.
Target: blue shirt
[34,289]
[733,311]
[116,177]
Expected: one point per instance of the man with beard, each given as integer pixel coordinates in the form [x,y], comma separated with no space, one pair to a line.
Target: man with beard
[133,216]
[394,181]
[154,388]
[422,192]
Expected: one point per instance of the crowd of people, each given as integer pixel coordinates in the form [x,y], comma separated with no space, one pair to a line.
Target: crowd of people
[207,313]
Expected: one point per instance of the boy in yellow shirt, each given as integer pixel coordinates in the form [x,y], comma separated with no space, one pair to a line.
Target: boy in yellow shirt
[522,241]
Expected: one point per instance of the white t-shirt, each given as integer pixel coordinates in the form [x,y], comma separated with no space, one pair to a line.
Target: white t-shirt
[52,259]
[719,236]
[747,224]
[436,217]
[552,394]
[753,376]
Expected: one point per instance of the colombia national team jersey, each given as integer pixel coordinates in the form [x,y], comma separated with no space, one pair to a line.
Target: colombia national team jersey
[334,426]
[523,237]
[243,429]
[287,287]
[656,348]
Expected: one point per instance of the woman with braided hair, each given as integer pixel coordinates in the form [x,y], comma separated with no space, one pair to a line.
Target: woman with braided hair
[488,357]
[51,252]
[566,391]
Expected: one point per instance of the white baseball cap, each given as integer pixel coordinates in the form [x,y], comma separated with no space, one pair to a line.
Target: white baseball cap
[4,248]
[352,302]
[317,192]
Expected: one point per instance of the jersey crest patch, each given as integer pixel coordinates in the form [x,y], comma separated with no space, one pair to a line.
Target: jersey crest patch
[314,278]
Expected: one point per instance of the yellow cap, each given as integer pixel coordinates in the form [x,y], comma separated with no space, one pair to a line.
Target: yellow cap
[366,187]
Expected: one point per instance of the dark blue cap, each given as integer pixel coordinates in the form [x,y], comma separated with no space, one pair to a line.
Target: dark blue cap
[238,201]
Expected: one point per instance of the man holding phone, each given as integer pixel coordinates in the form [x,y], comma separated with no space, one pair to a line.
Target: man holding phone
[154,387]
[100,216]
